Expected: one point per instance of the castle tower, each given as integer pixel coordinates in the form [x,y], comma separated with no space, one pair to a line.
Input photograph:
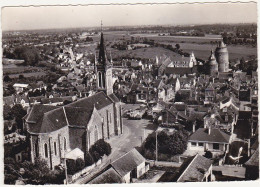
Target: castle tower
[103,69]
[221,54]
[212,64]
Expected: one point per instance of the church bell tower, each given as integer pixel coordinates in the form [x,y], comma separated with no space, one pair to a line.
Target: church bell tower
[103,69]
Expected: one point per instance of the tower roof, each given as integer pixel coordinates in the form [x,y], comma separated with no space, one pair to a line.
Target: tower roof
[102,54]
[212,59]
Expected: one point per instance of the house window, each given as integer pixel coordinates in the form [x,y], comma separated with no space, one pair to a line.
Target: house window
[55,148]
[225,109]
[193,144]
[110,117]
[201,144]
[65,144]
[216,146]
[18,158]
[46,150]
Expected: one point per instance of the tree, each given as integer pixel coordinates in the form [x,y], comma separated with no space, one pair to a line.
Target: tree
[170,144]
[178,97]
[7,79]
[208,154]
[18,113]
[99,149]
[71,166]
[80,164]
[177,46]
[21,77]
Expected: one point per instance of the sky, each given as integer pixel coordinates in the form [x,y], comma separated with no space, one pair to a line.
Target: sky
[49,17]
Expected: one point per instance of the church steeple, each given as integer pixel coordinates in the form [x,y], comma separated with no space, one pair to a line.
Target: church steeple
[102,55]
[104,71]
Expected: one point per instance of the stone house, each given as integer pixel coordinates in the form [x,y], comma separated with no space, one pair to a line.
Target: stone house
[208,139]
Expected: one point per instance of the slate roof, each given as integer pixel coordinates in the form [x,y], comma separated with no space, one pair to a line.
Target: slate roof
[51,121]
[55,99]
[78,116]
[37,111]
[114,98]
[254,159]
[128,162]
[215,135]
[178,70]
[100,100]
[196,169]
[45,118]
[110,176]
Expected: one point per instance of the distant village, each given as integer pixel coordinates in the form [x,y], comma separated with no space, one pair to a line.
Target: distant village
[210,107]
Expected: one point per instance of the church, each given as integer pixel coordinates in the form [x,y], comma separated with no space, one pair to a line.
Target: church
[55,131]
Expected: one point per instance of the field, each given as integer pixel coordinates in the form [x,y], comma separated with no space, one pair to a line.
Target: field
[201,46]
[13,71]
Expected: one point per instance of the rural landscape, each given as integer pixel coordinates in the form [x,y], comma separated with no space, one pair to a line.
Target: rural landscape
[131,104]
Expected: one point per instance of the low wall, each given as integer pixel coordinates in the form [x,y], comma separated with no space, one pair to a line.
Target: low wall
[84,171]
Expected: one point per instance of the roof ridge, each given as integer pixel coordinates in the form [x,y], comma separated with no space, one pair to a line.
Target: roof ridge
[187,167]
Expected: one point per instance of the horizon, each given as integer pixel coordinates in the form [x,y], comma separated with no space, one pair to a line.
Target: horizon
[128,26]
[90,16]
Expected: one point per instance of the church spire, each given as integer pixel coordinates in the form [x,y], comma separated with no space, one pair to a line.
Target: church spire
[102,54]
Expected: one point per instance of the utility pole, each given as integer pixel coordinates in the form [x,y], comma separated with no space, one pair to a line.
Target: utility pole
[65,165]
[156,146]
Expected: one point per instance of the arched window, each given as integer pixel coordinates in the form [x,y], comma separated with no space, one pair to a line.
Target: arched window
[55,148]
[65,144]
[36,149]
[46,150]
[96,134]
[99,79]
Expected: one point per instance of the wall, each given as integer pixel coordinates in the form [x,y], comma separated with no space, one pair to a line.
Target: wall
[127,178]
[49,139]
[140,169]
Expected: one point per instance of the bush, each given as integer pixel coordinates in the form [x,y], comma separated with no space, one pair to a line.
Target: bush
[80,164]
[71,166]
[89,159]
[208,154]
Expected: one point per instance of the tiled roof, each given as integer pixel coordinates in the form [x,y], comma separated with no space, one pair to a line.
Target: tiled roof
[196,169]
[110,176]
[128,162]
[215,135]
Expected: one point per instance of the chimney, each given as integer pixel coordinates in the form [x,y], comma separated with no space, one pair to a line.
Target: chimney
[193,127]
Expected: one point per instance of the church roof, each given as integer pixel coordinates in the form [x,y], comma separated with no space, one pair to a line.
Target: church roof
[45,119]
[100,100]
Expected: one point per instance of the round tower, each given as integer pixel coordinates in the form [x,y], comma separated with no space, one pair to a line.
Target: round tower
[221,54]
[212,64]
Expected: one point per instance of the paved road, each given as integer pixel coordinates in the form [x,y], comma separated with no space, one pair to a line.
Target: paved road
[134,132]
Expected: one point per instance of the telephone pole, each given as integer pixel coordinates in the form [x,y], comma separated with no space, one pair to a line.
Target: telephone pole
[156,146]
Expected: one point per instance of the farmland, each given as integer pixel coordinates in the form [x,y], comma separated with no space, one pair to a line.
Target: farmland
[13,71]
[200,46]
